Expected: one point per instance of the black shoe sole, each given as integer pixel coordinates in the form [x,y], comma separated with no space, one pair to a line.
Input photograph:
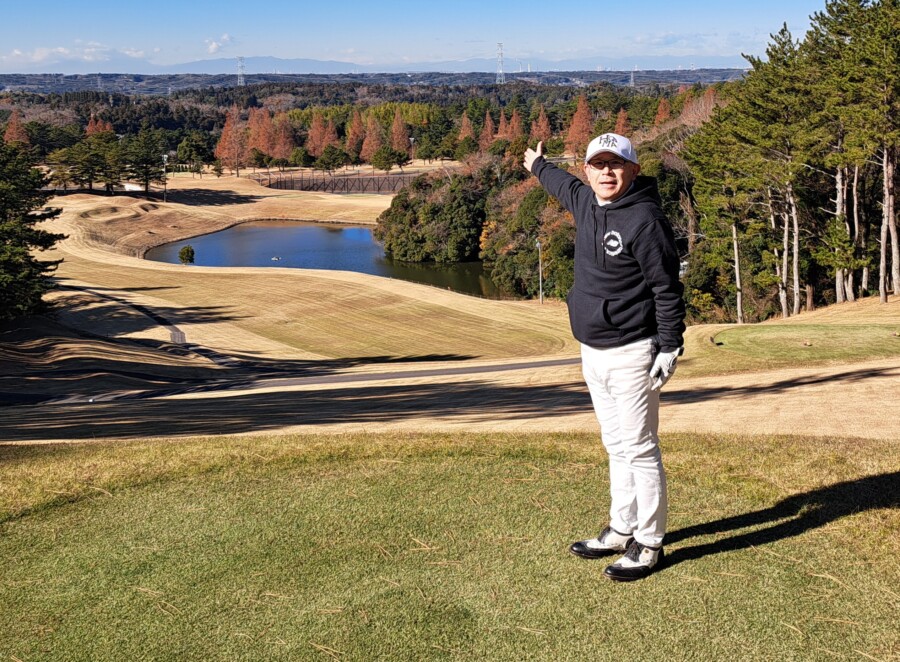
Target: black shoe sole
[633,574]
[591,554]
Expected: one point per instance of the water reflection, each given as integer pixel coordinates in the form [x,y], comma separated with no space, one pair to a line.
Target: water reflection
[322,246]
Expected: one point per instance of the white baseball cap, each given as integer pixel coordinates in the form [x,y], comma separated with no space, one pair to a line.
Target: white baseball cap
[613,143]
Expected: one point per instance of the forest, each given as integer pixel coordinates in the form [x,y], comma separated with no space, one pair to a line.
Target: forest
[780,186]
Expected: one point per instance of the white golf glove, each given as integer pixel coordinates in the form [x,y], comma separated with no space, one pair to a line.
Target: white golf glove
[663,367]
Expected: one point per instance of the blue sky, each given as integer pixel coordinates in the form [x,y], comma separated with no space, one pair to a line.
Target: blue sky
[44,35]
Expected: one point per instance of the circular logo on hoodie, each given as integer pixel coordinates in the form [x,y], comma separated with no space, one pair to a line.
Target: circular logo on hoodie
[612,243]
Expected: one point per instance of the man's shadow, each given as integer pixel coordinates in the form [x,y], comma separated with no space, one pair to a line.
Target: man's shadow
[791,516]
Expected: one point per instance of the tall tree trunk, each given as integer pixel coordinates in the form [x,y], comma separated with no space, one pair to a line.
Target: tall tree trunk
[795,258]
[785,252]
[887,212]
[779,271]
[890,166]
[737,274]
[690,213]
[840,211]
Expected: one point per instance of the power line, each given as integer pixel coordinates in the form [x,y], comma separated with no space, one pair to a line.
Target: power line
[501,77]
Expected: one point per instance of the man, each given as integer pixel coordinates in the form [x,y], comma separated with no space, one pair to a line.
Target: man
[626,309]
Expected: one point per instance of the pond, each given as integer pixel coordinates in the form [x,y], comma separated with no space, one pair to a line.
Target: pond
[322,246]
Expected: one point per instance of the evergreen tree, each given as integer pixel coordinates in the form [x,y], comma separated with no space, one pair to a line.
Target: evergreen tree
[144,156]
[23,278]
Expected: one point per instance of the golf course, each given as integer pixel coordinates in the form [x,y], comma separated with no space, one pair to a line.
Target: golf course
[235,463]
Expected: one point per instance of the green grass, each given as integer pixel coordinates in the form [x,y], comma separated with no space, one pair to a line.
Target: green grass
[716,350]
[441,547]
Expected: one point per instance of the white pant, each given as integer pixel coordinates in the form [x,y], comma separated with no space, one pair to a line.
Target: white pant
[628,411]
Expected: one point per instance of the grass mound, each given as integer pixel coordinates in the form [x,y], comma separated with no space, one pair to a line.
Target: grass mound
[434,547]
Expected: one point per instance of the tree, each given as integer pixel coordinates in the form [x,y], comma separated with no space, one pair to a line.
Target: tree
[372,142]
[194,150]
[232,149]
[261,131]
[623,125]
[465,128]
[331,159]
[283,146]
[23,278]
[515,131]
[356,134]
[502,127]
[581,128]
[15,131]
[487,136]
[540,128]
[399,133]
[143,154]
[316,138]
[387,157]
[186,254]
[663,112]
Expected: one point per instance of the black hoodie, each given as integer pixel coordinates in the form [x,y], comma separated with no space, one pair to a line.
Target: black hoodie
[626,264]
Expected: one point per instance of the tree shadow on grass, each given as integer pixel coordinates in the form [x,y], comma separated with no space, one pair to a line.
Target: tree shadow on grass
[676,396]
[790,517]
[273,411]
[207,198]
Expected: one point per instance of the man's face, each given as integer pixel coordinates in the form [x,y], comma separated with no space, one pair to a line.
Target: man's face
[610,175]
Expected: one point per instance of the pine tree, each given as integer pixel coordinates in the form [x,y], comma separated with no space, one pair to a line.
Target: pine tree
[581,128]
[23,278]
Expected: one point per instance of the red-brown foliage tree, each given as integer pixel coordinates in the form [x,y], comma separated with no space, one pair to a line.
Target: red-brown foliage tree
[315,138]
[540,128]
[95,126]
[399,133]
[331,136]
[373,141]
[623,124]
[515,131]
[579,134]
[465,128]
[15,130]
[261,131]
[356,134]
[283,145]
[232,149]
[502,127]
[663,112]
[488,131]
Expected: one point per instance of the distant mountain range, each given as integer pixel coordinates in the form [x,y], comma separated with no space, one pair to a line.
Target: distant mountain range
[274,65]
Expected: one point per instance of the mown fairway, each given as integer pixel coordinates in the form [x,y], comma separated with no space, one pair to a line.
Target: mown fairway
[438,547]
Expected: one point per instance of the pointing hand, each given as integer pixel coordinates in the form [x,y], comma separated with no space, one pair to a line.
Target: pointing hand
[532,154]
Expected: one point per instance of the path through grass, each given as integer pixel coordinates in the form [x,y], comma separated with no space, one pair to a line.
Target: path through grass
[438,547]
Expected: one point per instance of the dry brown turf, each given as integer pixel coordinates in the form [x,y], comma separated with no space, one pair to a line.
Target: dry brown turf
[357,340]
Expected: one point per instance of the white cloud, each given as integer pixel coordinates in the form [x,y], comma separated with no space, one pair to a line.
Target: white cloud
[213,46]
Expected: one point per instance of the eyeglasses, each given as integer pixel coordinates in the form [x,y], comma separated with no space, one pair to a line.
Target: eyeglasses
[612,164]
